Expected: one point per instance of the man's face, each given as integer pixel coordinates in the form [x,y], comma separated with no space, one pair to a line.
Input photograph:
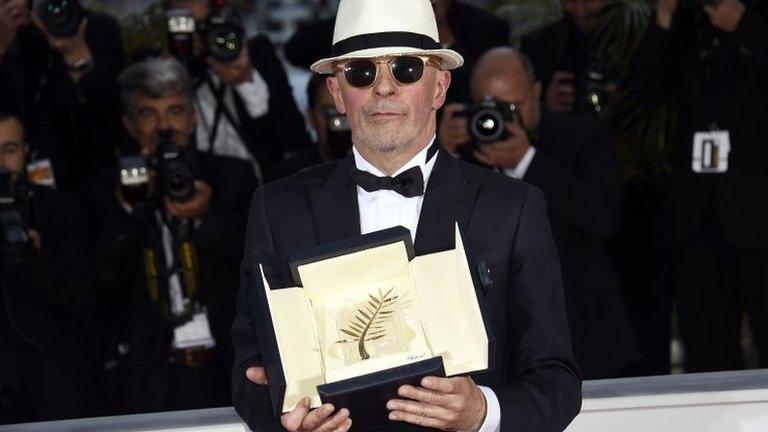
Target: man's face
[514,86]
[201,9]
[150,115]
[12,148]
[317,115]
[583,13]
[388,116]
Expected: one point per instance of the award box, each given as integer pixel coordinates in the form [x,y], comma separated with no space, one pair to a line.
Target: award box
[365,317]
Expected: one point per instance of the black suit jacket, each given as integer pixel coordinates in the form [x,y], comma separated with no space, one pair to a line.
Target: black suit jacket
[78,125]
[536,381]
[735,97]
[475,30]
[137,321]
[577,168]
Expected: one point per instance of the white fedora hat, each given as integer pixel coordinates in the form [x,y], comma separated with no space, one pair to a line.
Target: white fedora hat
[375,28]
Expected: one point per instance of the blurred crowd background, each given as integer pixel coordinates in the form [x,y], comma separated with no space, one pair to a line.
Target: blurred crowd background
[133,134]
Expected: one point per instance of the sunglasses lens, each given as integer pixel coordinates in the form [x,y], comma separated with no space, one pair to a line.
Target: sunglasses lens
[360,73]
[407,69]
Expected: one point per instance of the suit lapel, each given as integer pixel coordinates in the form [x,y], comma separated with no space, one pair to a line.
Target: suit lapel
[334,205]
[449,199]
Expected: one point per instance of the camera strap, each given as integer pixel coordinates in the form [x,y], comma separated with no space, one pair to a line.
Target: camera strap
[219,93]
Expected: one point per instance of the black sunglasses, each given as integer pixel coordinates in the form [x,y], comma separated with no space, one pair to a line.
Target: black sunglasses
[405,69]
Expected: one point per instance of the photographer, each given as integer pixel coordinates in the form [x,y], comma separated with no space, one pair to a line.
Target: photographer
[58,68]
[171,235]
[463,27]
[573,161]
[714,57]
[244,103]
[47,294]
[565,59]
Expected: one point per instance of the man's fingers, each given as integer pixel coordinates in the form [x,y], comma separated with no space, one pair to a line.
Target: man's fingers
[293,420]
[482,156]
[257,375]
[427,396]
[335,422]
[316,417]
[416,419]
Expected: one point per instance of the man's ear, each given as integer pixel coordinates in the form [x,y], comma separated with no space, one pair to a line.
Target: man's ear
[128,125]
[443,82]
[335,89]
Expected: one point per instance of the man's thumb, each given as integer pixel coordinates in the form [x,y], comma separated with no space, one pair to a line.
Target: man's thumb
[257,375]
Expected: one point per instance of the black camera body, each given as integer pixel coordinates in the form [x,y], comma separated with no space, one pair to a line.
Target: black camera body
[175,168]
[222,34]
[487,120]
[591,97]
[15,214]
[61,17]
[339,135]
[181,29]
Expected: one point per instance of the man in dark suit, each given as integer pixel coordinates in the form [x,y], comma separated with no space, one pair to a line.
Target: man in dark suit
[464,28]
[259,120]
[65,89]
[391,104]
[573,161]
[169,265]
[47,294]
[715,59]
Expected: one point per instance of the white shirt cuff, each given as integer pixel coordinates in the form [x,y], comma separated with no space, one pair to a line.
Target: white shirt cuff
[519,171]
[492,421]
[255,94]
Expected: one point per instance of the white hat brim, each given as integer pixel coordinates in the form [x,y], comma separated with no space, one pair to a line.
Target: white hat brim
[451,59]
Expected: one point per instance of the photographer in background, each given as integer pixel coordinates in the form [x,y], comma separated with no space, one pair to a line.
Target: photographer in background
[47,294]
[171,237]
[714,57]
[58,69]
[573,161]
[566,62]
[463,27]
[332,132]
[245,106]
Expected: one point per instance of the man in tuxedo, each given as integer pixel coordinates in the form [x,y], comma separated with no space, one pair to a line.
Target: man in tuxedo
[390,77]
[258,120]
[168,262]
[573,161]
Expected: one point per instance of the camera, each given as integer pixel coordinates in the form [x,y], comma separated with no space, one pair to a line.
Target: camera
[181,33]
[61,17]
[223,34]
[15,243]
[591,97]
[487,120]
[338,133]
[175,168]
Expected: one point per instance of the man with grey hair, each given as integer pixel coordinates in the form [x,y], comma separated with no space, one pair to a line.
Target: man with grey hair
[572,160]
[169,259]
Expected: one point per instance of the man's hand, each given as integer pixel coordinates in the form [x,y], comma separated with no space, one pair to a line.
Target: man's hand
[561,92]
[441,403]
[453,129]
[726,14]
[508,153]
[14,14]
[72,48]
[194,208]
[665,9]
[256,375]
[319,419]
[237,71]
[37,239]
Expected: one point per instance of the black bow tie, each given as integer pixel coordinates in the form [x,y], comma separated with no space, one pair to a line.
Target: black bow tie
[409,183]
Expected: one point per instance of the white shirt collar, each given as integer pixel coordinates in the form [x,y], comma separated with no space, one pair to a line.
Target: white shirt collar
[420,160]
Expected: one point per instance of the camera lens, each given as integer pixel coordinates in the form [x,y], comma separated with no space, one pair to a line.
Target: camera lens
[61,17]
[224,43]
[487,125]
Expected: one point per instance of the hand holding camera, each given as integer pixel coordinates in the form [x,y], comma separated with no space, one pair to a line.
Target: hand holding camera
[63,23]
[195,208]
[14,14]
[508,152]
[233,72]
[725,14]
[561,92]
[454,130]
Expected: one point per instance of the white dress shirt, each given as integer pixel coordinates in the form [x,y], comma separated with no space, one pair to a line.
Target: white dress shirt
[386,209]
[255,96]
[519,171]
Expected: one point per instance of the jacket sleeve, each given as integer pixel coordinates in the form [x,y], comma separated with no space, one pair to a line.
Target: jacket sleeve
[652,74]
[310,43]
[586,194]
[251,401]
[541,390]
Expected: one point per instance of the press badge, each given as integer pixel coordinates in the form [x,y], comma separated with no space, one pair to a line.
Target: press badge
[710,152]
[40,172]
[194,333]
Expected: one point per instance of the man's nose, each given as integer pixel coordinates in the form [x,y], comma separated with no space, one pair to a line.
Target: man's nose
[385,84]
